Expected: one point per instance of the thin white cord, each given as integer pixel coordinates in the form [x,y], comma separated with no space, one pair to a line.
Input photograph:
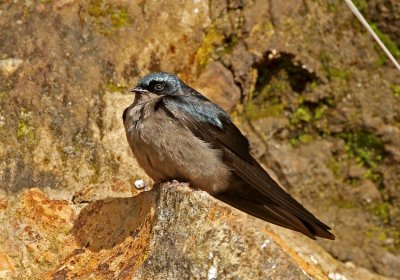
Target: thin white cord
[357,13]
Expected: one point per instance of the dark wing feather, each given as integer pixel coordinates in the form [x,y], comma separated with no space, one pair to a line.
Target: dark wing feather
[211,124]
[267,211]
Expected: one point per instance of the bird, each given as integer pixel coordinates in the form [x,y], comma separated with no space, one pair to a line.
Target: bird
[176,133]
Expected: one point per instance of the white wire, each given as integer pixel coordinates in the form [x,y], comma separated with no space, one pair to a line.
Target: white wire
[357,13]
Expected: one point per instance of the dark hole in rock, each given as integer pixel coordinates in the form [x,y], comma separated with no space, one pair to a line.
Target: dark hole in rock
[275,62]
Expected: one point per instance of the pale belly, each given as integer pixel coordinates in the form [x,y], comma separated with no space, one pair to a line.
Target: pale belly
[167,150]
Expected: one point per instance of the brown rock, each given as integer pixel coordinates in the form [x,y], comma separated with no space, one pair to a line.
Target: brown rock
[171,232]
[38,234]
[3,203]
[216,82]
[356,171]
[391,135]
[174,232]
[7,267]
[34,204]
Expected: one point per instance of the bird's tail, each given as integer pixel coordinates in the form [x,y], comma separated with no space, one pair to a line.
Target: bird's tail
[256,204]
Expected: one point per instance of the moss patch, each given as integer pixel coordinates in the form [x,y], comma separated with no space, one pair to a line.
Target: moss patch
[382,211]
[25,128]
[395,90]
[343,204]
[266,102]
[106,17]
[255,112]
[361,4]
[331,71]
[302,113]
[211,40]
[383,234]
[366,148]
[116,88]
[389,43]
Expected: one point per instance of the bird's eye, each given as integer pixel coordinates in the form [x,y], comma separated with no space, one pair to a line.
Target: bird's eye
[159,87]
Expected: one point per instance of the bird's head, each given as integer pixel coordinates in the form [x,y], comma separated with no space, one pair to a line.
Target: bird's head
[160,83]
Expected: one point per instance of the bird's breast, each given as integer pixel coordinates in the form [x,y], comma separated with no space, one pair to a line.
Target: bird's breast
[168,150]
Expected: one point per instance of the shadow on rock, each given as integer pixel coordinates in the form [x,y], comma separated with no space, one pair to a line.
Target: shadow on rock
[106,223]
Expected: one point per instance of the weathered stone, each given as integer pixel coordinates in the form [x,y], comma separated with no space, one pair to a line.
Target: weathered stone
[173,232]
[216,82]
[206,239]
[7,266]
[37,235]
[10,65]
[385,14]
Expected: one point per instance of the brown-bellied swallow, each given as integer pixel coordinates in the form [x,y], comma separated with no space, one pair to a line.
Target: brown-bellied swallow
[176,133]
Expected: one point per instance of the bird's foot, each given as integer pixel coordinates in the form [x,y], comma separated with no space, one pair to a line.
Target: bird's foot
[174,183]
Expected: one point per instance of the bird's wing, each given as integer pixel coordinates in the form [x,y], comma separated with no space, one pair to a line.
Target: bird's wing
[210,123]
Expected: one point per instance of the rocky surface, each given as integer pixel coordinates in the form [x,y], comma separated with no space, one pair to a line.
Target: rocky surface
[171,232]
[316,97]
[385,15]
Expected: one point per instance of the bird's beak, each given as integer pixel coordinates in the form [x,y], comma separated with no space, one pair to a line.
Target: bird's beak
[138,90]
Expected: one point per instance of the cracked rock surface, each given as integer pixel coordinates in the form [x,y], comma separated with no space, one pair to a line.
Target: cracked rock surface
[170,232]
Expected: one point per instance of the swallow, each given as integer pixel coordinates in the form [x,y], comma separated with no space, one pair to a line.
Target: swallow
[176,133]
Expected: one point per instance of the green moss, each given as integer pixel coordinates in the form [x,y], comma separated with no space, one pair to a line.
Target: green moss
[331,71]
[301,114]
[214,46]
[306,138]
[25,129]
[365,147]
[381,60]
[269,27]
[361,4]
[119,19]
[108,18]
[382,211]
[229,43]
[334,166]
[343,204]
[353,181]
[319,112]
[254,112]
[337,73]
[302,138]
[395,90]
[294,141]
[332,7]
[389,43]
[374,176]
[115,87]
[313,85]
[265,102]
[384,233]
[212,39]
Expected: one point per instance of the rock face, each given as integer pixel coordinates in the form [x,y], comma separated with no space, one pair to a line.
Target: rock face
[385,14]
[317,99]
[171,232]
